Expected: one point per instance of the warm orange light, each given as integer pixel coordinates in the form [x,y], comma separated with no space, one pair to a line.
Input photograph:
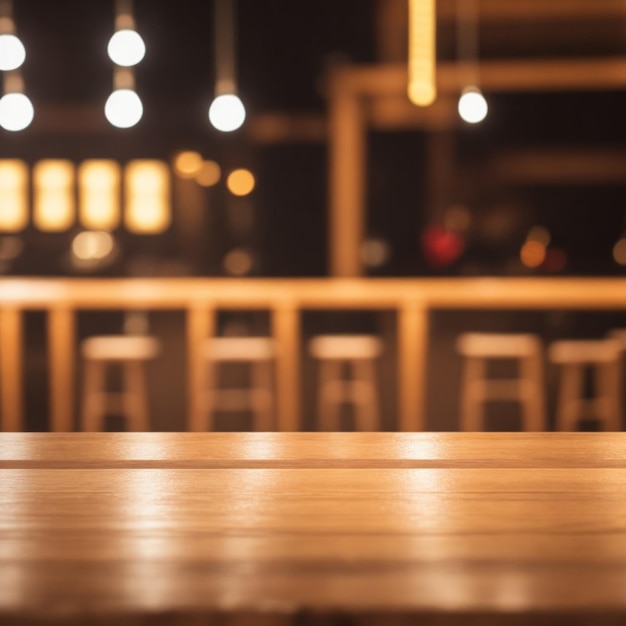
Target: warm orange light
[209,174]
[13,195]
[188,164]
[147,195]
[422,89]
[619,252]
[99,194]
[54,203]
[238,262]
[240,182]
[533,254]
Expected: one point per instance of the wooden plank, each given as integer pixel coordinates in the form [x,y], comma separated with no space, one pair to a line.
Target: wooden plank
[11,369]
[340,449]
[315,293]
[99,543]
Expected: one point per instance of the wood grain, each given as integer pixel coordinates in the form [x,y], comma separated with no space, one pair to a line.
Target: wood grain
[369,526]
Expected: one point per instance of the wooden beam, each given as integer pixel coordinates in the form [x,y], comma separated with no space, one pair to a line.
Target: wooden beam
[61,350]
[390,79]
[347,157]
[537,10]
[267,128]
[572,167]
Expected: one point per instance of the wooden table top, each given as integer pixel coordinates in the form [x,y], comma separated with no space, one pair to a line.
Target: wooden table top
[453,527]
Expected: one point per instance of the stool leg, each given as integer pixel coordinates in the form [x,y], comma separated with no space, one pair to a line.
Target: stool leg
[209,396]
[94,404]
[608,401]
[136,396]
[364,373]
[263,396]
[327,402]
[569,402]
[472,400]
[533,401]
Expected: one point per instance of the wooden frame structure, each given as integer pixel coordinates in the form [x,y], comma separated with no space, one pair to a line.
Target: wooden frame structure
[411,299]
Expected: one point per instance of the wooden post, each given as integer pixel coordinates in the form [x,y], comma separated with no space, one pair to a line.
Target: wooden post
[412,355]
[61,338]
[347,148]
[286,331]
[11,369]
[201,323]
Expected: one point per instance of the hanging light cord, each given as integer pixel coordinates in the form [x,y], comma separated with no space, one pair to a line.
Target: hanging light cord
[467,38]
[225,47]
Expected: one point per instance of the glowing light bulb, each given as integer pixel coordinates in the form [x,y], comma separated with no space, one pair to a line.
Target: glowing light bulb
[227,113]
[472,105]
[12,52]
[16,111]
[126,48]
[123,108]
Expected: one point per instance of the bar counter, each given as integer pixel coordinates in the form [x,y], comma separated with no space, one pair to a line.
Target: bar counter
[411,299]
[199,528]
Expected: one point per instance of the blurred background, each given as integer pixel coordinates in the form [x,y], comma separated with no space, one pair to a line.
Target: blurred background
[536,188]
[542,157]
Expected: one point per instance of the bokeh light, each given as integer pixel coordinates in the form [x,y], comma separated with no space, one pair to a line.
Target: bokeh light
[126,48]
[539,234]
[238,262]
[188,164]
[16,111]
[12,52]
[227,113]
[123,108]
[619,251]
[532,254]
[472,106]
[209,174]
[92,245]
[240,182]
[375,252]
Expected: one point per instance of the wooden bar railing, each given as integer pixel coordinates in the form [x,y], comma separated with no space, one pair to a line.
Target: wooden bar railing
[411,299]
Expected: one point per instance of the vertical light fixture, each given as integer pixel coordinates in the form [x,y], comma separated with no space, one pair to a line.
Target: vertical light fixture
[99,194]
[16,109]
[472,104]
[13,195]
[422,88]
[226,112]
[147,197]
[126,48]
[54,200]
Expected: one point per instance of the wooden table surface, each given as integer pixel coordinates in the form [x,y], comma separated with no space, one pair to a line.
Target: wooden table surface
[383,527]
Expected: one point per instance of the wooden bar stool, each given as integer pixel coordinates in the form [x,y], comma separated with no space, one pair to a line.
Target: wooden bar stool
[477,389]
[129,352]
[604,358]
[359,353]
[259,353]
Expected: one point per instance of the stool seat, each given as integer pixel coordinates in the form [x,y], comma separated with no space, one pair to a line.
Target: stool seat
[603,357]
[585,351]
[128,352]
[240,348]
[477,388]
[120,348]
[490,345]
[344,347]
[359,353]
[258,354]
